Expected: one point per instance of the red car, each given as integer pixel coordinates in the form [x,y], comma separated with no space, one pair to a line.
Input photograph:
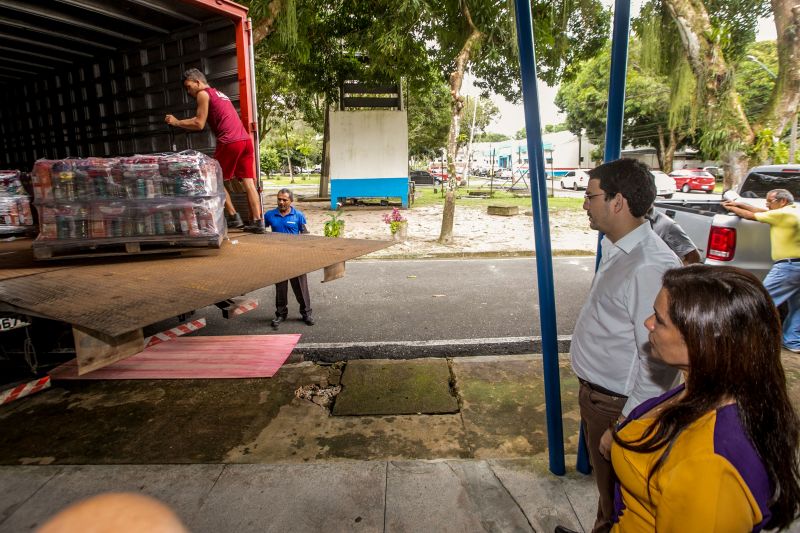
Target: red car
[693,179]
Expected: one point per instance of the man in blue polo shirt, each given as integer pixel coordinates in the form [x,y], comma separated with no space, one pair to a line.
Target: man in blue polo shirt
[287,219]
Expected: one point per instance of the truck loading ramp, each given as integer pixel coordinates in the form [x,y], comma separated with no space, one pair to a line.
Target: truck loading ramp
[108,302]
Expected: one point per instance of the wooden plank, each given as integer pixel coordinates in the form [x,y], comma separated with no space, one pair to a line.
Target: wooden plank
[95,350]
[332,272]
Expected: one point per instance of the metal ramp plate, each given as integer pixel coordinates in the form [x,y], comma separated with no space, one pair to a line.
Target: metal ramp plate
[117,297]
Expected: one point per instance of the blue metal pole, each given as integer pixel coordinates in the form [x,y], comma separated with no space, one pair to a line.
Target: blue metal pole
[541,227]
[614,122]
[616,89]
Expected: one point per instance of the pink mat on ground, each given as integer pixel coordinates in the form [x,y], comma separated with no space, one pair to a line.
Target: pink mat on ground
[240,356]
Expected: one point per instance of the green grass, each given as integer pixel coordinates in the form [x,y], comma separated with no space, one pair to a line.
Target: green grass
[299,179]
[426,197]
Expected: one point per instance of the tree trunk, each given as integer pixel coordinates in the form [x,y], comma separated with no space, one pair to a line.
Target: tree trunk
[456,107]
[325,171]
[263,27]
[722,110]
[669,154]
[448,215]
[785,96]
[734,164]
[661,149]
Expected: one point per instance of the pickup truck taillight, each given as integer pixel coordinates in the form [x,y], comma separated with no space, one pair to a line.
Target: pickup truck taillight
[721,243]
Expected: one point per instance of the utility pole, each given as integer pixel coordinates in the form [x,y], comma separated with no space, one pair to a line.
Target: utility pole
[469,144]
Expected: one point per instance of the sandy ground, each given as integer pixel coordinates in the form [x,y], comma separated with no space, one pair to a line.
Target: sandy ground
[475,231]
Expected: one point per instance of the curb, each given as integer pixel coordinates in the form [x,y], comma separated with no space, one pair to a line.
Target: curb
[477,255]
[342,351]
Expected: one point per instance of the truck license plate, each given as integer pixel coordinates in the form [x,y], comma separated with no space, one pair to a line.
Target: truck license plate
[7,324]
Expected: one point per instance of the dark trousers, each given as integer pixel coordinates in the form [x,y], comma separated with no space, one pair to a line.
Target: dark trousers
[300,289]
[598,413]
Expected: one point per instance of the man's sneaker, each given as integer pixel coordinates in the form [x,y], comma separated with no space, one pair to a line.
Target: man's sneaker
[256,227]
[793,350]
[234,221]
[277,321]
[309,320]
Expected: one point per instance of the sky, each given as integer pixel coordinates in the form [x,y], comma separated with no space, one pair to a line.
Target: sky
[512,117]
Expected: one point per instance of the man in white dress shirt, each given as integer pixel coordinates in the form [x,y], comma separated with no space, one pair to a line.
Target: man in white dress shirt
[608,351]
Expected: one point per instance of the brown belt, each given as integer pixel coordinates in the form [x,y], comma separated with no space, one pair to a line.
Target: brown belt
[601,390]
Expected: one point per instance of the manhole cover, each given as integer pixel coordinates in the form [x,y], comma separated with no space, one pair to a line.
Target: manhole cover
[395,388]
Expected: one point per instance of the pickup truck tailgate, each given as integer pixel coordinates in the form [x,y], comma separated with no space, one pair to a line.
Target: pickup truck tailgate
[695,222]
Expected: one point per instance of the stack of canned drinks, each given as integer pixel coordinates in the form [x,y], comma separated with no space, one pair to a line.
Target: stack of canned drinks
[15,204]
[144,197]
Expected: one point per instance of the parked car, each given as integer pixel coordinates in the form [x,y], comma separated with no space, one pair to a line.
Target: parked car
[317,169]
[575,179]
[439,172]
[693,179]
[285,169]
[717,172]
[504,173]
[665,185]
[423,177]
[723,238]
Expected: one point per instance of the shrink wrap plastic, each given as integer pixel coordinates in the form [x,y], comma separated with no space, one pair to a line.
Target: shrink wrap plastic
[15,204]
[128,199]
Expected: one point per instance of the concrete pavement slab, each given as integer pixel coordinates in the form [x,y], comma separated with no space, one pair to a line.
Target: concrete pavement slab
[151,421]
[183,488]
[343,496]
[20,484]
[449,496]
[548,500]
[386,387]
[303,431]
[502,405]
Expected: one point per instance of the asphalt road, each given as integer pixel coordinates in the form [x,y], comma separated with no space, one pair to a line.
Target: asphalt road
[428,307]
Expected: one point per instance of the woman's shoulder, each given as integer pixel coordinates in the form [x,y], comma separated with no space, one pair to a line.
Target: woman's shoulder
[733,444]
[717,443]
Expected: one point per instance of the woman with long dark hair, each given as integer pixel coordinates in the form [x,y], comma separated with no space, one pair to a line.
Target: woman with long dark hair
[719,453]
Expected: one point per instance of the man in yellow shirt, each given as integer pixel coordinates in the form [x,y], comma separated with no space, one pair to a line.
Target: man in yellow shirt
[783,280]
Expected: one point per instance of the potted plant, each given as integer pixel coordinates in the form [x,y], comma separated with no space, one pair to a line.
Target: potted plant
[398,224]
[334,227]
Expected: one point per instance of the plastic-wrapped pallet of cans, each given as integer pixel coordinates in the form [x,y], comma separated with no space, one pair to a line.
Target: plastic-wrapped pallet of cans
[15,204]
[171,198]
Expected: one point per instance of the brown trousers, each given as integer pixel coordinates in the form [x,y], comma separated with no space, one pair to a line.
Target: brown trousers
[598,413]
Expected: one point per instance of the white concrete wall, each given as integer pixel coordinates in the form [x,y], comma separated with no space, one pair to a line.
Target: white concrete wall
[369,144]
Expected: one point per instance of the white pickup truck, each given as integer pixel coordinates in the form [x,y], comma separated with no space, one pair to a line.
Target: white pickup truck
[723,238]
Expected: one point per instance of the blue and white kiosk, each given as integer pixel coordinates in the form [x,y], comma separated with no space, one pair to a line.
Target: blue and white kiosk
[369,146]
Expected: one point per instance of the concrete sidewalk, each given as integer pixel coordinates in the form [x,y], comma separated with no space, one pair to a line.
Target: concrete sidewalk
[370,496]
[426,445]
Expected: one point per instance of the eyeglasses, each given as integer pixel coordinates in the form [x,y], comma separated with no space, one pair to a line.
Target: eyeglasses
[587,197]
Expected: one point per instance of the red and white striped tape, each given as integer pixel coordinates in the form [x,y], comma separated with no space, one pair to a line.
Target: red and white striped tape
[248,305]
[24,389]
[177,331]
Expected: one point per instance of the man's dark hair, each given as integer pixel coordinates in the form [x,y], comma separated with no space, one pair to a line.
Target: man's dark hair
[630,178]
[287,191]
[194,74]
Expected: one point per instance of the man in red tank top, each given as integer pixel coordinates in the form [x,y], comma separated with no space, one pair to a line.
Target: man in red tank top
[234,146]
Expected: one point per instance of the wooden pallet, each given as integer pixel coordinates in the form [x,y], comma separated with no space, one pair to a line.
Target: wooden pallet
[43,250]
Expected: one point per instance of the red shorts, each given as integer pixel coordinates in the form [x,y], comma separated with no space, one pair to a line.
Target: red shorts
[237,160]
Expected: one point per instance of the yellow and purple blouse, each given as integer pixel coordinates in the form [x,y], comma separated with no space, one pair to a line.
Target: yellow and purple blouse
[712,481]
